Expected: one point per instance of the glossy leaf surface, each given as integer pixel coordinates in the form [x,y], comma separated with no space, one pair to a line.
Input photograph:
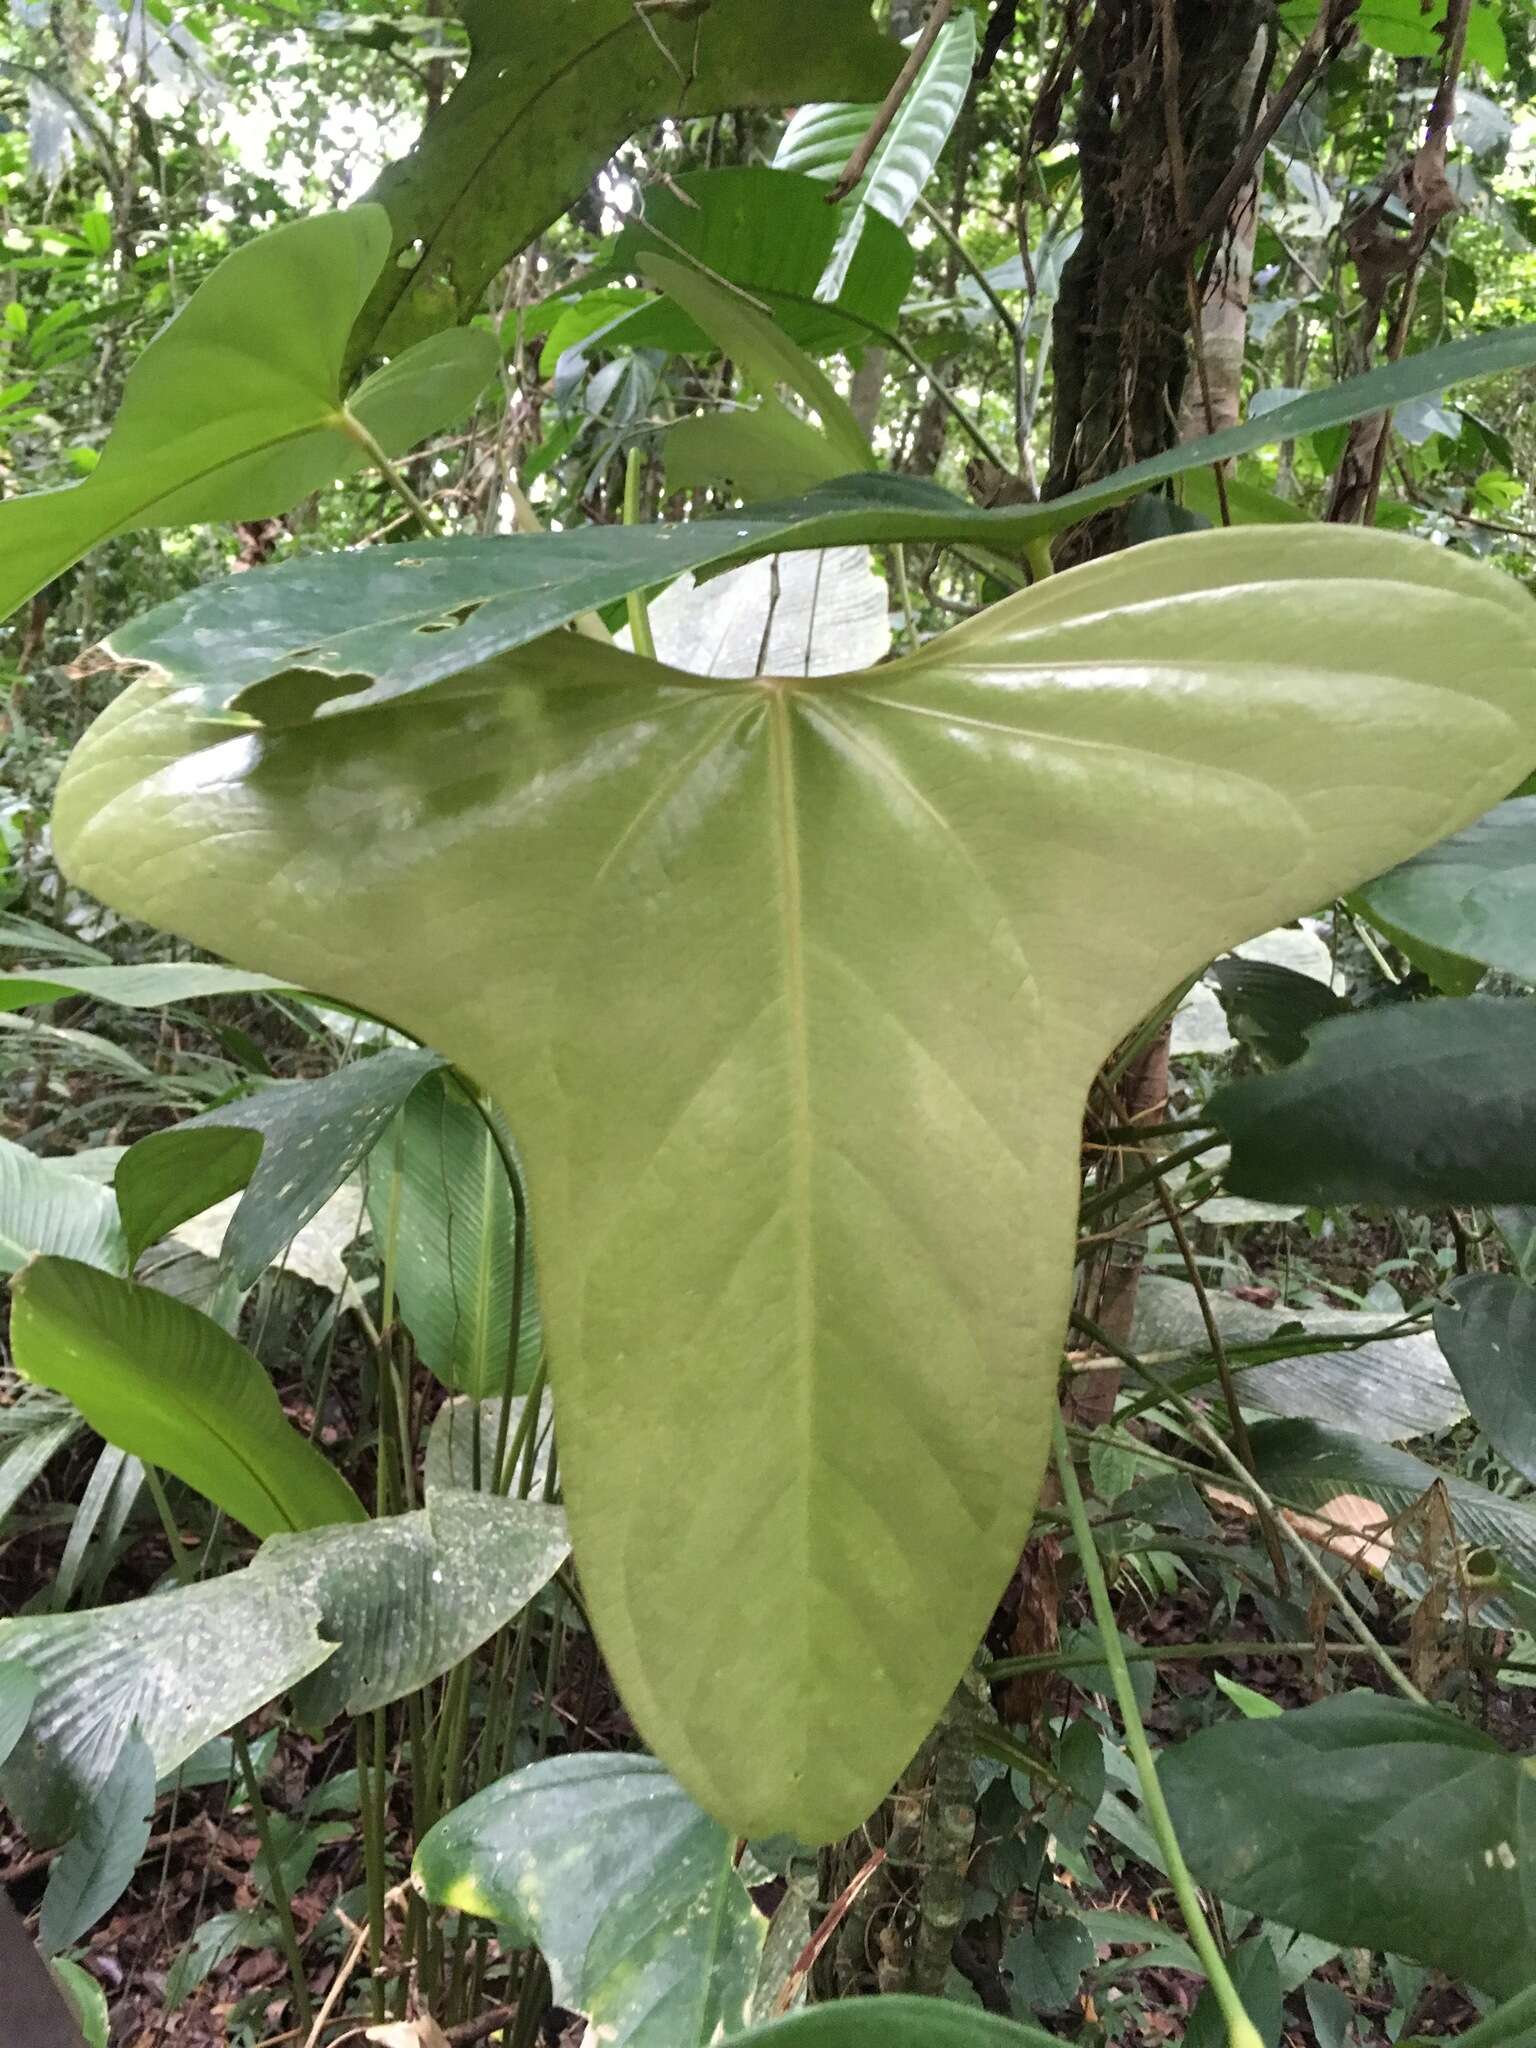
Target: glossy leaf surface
[547,97]
[629,1890]
[778,986]
[362,628]
[1374,1823]
[234,411]
[168,1385]
[1489,1335]
[1422,1103]
[1474,894]
[820,139]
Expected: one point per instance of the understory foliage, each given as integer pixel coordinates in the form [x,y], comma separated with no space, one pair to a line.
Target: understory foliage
[768,1077]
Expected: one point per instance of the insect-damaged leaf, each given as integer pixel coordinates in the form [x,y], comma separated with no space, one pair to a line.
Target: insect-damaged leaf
[779,987]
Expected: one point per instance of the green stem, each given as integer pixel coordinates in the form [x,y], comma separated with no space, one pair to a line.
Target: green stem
[371,1794]
[904,593]
[1037,553]
[354,430]
[1241,2032]
[1168,1653]
[303,2010]
[639,612]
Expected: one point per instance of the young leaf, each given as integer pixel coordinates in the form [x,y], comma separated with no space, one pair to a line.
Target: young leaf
[1420,1103]
[312,1134]
[93,1872]
[504,158]
[375,624]
[182,1666]
[630,1892]
[1473,895]
[1372,1822]
[820,139]
[408,1597]
[163,1382]
[234,411]
[439,1199]
[46,1208]
[1489,1336]
[834,1136]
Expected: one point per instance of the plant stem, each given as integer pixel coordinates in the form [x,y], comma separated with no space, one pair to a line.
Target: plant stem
[1241,2032]
[354,430]
[303,2010]
[639,612]
[1167,1653]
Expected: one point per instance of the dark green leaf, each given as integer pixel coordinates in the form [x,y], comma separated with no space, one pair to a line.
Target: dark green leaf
[898,2023]
[1489,1336]
[1272,1008]
[547,98]
[1045,1963]
[93,1872]
[1421,1103]
[18,1691]
[1474,894]
[1256,1976]
[1373,1823]
[213,1942]
[168,1385]
[173,1175]
[628,1889]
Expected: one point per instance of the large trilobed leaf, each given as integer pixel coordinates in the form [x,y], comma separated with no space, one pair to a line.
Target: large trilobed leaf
[549,93]
[183,1666]
[235,411]
[407,1597]
[780,985]
[630,1891]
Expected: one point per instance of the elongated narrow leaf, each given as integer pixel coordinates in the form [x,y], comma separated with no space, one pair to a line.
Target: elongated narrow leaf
[1474,894]
[442,1206]
[28,1457]
[134,988]
[93,1872]
[408,1597]
[780,988]
[504,158]
[898,2023]
[461,1451]
[821,138]
[166,1384]
[342,633]
[183,1666]
[311,1135]
[46,1208]
[1427,1103]
[42,942]
[1374,1823]
[772,236]
[234,411]
[1489,1336]
[629,1890]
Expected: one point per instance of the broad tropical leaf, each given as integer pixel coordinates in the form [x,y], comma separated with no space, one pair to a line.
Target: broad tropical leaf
[1489,1336]
[1373,1822]
[1473,895]
[407,1597]
[632,1894]
[168,1385]
[779,987]
[442,1207]
[340,633]
[505,157]
[183,1666]
[1425,1103]
[46,1208]
[820,139]
[235,411]
[311,1135]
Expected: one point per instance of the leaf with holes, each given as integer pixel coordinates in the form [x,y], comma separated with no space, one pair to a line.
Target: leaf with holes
[780,986]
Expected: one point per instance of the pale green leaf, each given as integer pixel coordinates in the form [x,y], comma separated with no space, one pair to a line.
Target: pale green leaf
[168,1385]
[87,2000]
[46,1208]
[133,988]
[780,989]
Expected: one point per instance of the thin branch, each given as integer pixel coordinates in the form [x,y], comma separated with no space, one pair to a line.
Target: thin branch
[891,106]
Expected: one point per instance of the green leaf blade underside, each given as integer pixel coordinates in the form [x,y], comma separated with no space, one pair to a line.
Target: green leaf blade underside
[1371,1822]
[547,97]
[168,1385]
[431,609]
[777,987]
[628,1889]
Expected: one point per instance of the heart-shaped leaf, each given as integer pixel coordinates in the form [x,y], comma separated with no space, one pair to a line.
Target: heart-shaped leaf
[779,984]
[234,411]
[629,1890]
[167,1384]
